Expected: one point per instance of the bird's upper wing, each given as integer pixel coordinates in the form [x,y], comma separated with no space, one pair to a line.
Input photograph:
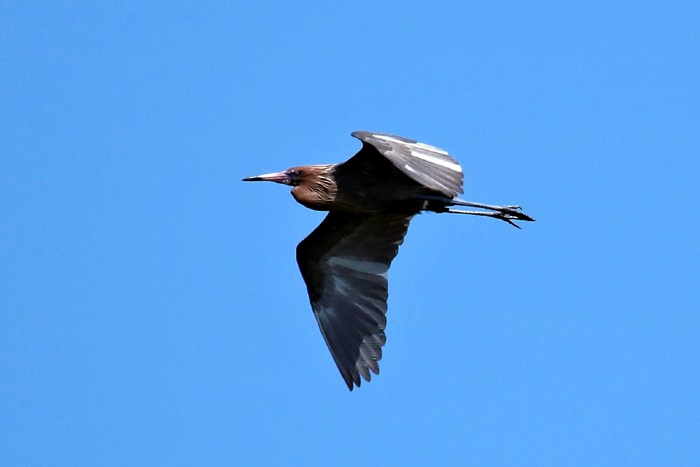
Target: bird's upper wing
[344,263]
[430,166]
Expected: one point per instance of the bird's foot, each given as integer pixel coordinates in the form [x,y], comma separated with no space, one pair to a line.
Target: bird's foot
[512,212]
[506,218]
[507,214]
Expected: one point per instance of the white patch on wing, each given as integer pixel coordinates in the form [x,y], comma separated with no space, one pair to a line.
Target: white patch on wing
[433,159]
[411,169]
[368,267]
[429,148]
[416,145]
[389,138]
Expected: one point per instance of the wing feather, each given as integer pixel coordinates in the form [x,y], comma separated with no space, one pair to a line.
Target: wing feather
[432,167]
[344,263]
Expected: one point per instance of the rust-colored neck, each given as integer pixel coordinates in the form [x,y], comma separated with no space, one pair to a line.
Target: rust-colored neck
[316,188]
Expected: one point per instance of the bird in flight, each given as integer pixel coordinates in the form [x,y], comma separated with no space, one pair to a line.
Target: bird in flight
[370,199]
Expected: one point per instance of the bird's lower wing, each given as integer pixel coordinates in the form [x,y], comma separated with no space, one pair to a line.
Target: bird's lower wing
[344,263]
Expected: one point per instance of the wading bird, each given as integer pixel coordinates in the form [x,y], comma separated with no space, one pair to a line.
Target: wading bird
[371,198]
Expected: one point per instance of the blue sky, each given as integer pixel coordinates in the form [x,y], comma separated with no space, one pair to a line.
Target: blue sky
[151,311]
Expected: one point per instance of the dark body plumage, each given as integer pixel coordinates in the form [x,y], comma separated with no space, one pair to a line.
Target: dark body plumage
[372,197]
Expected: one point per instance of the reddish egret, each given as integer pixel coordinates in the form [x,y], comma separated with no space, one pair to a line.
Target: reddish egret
[371,199]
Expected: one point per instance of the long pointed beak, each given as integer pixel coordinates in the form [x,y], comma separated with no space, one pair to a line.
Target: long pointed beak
[277,177]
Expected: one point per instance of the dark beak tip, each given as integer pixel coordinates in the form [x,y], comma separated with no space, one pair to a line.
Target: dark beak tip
[277,177]
[256,178]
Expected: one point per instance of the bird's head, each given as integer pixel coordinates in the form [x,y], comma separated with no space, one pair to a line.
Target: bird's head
[293,177]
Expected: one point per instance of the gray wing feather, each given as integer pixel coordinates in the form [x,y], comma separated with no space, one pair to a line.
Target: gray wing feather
[344,263]
[432,167]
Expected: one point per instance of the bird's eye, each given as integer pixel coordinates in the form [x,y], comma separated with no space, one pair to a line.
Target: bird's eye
[292,173]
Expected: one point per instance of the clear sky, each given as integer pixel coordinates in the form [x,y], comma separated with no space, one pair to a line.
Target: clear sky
[151,310]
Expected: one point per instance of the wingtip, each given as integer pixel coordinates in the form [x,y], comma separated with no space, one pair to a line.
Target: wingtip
[349,383]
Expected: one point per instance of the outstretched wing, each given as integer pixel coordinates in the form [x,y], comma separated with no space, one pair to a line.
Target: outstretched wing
[344,263]
[430,166]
